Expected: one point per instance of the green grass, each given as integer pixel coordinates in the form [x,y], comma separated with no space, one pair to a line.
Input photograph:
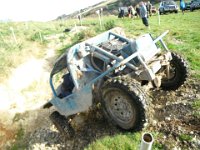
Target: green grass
[196,108]
[183,37]
[19,141]
[185,137]
[31,41]
[128,141]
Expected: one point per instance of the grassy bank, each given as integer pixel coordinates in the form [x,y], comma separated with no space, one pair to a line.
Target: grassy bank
[20,41]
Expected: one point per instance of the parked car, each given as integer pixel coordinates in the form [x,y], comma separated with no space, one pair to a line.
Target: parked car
[168,6]
[187,5]
[195,4]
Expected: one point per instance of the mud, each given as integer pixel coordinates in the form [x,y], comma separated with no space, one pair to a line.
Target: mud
[173,117]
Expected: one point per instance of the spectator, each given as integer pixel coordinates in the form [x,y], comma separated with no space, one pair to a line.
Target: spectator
[131,11]
[143,14]
[182,6]
[121,13]
[149,5]
[137,8]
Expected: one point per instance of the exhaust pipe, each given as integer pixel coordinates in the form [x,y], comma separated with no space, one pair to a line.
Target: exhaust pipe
[146,141]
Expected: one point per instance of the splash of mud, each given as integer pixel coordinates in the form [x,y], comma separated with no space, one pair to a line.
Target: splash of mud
[25,91]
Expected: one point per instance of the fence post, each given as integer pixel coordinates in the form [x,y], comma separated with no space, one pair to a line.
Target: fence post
[80,19]
[26,25]
[13,34]
[2,37]
[40,37]
[98,13]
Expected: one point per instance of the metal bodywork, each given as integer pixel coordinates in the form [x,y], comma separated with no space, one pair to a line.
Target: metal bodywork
[195,4]
[168,6]
[141,56]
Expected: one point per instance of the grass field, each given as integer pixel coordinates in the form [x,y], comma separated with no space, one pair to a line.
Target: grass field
[183,37]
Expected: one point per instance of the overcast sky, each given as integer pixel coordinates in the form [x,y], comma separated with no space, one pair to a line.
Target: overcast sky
[40,10]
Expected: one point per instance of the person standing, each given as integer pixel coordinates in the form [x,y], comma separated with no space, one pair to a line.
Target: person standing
[129,12]
[143,14]
[182,6]
[149,5]
[137,8]
[121,12]
[133,12]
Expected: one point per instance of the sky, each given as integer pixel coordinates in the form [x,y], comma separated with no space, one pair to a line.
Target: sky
[40,10]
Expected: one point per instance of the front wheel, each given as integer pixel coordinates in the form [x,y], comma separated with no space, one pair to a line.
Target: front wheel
[124,103]
[178,73]
[160,12]
[62,124]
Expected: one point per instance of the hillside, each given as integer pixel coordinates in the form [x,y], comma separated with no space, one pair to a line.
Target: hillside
[110,7]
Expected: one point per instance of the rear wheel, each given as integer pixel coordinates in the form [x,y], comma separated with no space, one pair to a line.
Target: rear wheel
[178,73]
[124,103]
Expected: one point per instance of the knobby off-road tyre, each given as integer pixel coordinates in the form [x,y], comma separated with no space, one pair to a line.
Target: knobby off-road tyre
[178,72]
[62,124]
[124,103]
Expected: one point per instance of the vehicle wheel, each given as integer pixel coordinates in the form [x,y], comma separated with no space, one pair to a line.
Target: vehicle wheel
[164,12]
[176,11]
[62,124]
[178,73]
[124,103]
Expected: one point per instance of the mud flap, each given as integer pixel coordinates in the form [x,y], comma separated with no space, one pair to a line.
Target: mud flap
[47,105]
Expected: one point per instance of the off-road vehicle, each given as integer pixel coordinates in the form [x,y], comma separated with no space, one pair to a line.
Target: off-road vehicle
[114,70]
